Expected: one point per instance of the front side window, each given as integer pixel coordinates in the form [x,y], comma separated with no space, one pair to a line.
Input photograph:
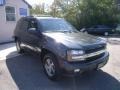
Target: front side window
[10,13]
[32,24]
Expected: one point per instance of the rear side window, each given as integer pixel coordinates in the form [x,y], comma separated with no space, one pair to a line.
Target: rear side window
[102,26]
[24,25]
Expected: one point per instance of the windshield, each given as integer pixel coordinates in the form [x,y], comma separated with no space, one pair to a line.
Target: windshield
[56,25]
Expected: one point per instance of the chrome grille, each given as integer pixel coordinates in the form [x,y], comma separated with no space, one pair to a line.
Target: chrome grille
[89,55]
[91,50]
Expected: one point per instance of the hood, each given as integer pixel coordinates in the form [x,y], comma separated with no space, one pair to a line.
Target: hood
[74,40]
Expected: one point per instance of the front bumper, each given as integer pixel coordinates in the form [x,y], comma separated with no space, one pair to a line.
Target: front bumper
[78,67]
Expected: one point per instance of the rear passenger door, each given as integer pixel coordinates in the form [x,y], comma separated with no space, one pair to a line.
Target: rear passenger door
[92,30]
[101,29]
[23,31]
[33,37]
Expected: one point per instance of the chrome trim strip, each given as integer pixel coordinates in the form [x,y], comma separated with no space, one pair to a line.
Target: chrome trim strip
[89,55]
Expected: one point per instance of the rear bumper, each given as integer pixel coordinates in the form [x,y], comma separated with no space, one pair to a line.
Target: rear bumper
[78,67]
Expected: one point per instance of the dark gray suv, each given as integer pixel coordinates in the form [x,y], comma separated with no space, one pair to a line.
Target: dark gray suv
[63,49]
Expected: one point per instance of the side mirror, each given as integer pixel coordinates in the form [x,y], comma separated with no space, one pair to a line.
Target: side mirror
[32,30]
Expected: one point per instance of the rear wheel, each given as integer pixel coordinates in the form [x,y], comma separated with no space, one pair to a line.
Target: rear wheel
[106,33]
[85,32]
[51,67]
[18,46]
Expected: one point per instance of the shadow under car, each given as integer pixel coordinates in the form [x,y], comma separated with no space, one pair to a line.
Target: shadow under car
[27,72]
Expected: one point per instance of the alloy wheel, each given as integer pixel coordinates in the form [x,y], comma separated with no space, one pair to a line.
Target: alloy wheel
[49,67]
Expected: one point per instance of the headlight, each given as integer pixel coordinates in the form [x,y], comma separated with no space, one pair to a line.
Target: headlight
[72,54]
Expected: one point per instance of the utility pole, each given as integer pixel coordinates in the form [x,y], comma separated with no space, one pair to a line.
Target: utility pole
[54,9]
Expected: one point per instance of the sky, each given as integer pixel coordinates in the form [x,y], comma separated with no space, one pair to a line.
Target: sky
[33,2]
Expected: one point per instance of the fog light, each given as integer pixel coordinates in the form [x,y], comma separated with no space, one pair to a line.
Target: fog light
[101,65]
[77,70]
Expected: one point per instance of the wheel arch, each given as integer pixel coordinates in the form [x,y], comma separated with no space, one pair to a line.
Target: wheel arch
[46,51]
[15,38]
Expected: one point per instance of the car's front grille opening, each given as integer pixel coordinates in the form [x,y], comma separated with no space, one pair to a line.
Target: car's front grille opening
[94,57]
[90,59]
[94,49]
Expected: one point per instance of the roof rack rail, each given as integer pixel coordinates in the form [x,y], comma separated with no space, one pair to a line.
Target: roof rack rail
[29,16]
[42,16]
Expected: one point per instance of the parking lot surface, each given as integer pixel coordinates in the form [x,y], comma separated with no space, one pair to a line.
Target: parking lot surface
[25,72]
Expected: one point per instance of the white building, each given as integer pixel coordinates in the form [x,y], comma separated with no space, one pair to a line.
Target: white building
[10,12]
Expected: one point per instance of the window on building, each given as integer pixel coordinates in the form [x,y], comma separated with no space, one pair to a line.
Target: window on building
[2,2]
[10,13]
[23,11]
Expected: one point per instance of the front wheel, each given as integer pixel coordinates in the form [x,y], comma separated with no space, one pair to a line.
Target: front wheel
[51,67]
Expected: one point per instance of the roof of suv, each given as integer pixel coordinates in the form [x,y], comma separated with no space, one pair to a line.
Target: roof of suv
[42,17]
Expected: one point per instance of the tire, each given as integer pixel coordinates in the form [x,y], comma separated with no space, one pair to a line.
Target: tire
[51,67]
[18,46]
[106,33]
[85,32]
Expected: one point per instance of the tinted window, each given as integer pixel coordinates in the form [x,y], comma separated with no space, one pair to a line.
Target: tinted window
[102,26]
[32,24]
[24,25]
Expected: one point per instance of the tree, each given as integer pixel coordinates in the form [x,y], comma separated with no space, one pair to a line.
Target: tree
[98,12]
[84,13]
[38,9]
